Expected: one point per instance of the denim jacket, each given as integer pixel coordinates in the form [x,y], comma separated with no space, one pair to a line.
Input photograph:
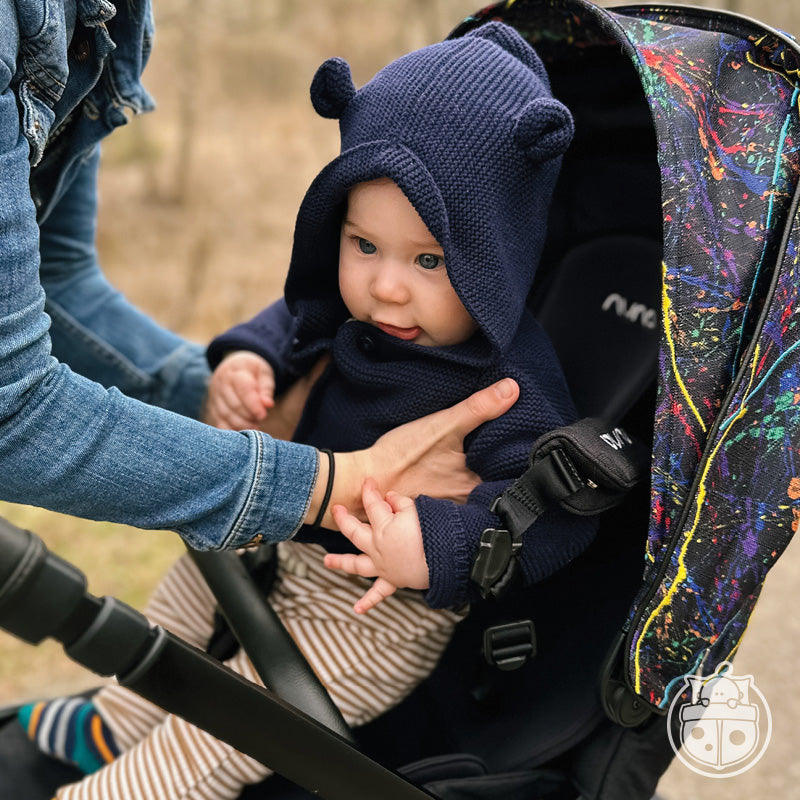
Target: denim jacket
[68,71]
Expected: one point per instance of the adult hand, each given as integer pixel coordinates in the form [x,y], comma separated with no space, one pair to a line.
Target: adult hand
[426,455]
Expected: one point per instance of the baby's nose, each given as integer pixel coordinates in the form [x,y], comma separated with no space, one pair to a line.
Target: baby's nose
[390,284]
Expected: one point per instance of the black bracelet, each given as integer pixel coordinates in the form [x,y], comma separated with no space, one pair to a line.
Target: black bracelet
[328,489]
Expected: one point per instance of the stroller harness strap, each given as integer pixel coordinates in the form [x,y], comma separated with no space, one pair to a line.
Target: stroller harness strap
[586,468]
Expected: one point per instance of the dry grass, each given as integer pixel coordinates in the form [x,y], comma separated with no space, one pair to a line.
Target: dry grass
[212,181]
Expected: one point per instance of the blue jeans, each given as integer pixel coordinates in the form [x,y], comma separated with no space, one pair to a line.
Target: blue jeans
[94,329]
[67,442]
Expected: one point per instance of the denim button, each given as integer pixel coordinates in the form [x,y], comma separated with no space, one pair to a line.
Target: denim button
[367,344]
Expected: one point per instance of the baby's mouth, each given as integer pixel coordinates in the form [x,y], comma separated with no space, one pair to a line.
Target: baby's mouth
[400,333]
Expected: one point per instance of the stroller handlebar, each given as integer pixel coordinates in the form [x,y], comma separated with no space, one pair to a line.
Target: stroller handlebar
[42,596]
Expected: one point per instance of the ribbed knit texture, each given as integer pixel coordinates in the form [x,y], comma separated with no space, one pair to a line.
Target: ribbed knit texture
[470,132]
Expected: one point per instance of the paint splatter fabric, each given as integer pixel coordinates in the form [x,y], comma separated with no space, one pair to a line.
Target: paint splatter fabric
[729,389]
[723,94]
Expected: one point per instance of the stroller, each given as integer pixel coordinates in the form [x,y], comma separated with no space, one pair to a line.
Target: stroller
[676,214]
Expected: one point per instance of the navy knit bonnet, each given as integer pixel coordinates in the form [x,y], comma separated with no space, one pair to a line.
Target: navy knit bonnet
[470,132]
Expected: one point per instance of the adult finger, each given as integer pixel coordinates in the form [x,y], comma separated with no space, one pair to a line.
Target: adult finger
[376,593]
[480,407]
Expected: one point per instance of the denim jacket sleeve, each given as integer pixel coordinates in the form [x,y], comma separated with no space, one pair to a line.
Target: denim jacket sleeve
[69,444]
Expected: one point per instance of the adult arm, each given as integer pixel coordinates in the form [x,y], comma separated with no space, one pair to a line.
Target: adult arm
[68,444]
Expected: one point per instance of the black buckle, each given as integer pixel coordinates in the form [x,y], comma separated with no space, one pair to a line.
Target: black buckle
[495,564]
[519,506]
[510,645]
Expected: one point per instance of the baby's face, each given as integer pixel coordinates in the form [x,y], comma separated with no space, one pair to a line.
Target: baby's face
[391,269]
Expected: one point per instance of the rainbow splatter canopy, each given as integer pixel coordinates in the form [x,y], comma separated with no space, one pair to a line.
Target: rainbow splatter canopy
[725,489]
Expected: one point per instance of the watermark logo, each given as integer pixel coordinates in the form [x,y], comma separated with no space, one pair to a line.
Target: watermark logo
[725,725]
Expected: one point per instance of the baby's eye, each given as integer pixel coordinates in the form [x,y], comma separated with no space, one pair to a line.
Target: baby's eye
[429,261]
[366,246]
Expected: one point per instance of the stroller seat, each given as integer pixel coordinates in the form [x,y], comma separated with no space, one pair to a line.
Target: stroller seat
[597,294]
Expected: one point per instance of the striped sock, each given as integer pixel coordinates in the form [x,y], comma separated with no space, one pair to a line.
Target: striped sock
[71,730]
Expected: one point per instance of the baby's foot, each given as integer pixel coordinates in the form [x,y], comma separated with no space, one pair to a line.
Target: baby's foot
[71,730]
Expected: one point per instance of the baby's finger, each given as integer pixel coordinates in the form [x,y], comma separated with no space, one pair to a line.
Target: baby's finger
[355,530]
[378,511]
[351,563]
[398,502]
[236,422]
[219,415]
[376,593]
[228,396]
[211,412]
[249,396]
[232,418]
[266,387]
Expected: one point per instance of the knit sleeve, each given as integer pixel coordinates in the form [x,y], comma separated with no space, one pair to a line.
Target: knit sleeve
[451,534]
[498,451]
[269,334]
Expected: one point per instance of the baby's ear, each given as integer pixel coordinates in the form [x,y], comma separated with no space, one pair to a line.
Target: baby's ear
[332,88]
[543,129]
[512,42]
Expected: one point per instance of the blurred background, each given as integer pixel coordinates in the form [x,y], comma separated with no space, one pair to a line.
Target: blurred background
[197,210]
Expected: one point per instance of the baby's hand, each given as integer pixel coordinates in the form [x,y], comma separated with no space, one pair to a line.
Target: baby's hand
[240,392]
[391,542]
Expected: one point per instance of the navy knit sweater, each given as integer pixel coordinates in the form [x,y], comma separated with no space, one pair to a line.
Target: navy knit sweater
[468,129]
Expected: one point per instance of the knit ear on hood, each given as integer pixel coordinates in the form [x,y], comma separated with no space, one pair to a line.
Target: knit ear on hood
[512,42]
[543,129]
[332,88]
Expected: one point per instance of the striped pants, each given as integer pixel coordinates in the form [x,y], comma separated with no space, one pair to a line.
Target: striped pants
[368,664]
